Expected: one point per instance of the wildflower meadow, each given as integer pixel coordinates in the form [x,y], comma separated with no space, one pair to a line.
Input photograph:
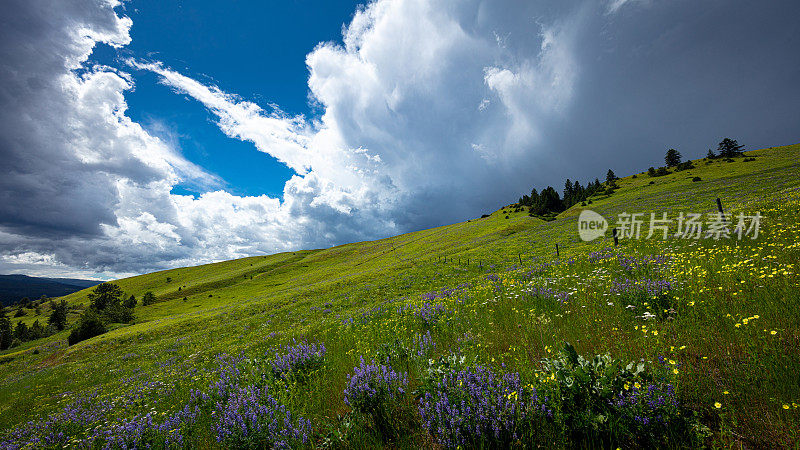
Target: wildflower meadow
[471,335]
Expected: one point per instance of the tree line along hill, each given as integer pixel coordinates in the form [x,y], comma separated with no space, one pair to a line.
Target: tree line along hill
[548,203]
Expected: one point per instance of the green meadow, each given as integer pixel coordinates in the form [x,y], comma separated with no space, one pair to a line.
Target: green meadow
[714,325]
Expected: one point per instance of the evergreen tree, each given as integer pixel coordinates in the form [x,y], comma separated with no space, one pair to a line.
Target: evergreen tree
[36,331]
[672,158]
[728,148]
[610,176]
[130,302]
[6,334]
[710,154]
[549,201]
[105,295]
[58,317]
[567,190]
[21,331]
[534,197]
[590,189]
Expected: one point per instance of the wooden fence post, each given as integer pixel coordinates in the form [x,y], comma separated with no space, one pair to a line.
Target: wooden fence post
[616,239]
[719,207]
[558,255]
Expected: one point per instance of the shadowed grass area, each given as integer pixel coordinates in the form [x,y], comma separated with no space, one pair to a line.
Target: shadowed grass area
[724,330]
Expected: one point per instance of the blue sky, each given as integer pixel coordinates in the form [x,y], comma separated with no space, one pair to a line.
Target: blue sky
[255,49]
[144,135]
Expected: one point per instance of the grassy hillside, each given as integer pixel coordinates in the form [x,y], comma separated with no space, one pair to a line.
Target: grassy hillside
[716,322]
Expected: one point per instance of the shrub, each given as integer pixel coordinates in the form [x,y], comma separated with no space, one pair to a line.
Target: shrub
[90,325]
[118,314]
[130,302]
[584,390]
[148,299]
[643,406]
[696,179]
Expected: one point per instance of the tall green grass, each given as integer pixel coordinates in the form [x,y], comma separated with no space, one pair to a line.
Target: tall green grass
[730,336]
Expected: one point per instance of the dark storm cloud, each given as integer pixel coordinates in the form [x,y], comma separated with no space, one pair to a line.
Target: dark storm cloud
[45,189]
[433,111]
[682,75]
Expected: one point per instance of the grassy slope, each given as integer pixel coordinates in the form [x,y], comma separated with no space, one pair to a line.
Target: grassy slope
[249,304]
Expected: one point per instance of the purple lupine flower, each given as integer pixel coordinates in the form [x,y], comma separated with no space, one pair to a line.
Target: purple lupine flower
[633,263]
[423,344]
[251,415]
[373,385]
[474,407]
[606,253]
[648,409]
[297,358]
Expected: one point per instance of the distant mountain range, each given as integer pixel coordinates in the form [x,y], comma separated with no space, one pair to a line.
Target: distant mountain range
[16,287]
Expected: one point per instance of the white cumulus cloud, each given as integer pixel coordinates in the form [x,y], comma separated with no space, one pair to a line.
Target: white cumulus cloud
[432,111]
